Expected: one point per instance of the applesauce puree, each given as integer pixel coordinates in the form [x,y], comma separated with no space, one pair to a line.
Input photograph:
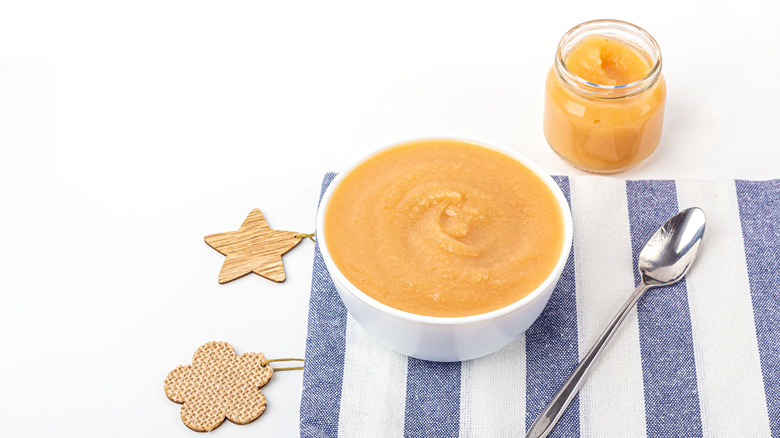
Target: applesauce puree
[604,135]
[606,61]
[444,228]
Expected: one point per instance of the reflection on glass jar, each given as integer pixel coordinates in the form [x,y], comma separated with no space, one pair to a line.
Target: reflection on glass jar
[605,96]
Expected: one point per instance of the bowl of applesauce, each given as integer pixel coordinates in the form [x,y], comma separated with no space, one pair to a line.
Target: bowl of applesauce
[444,248]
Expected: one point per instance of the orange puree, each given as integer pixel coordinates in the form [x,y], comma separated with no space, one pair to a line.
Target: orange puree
[604,130]
[606,61]
[443,228]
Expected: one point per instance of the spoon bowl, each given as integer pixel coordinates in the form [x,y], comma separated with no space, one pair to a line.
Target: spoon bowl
[667,256]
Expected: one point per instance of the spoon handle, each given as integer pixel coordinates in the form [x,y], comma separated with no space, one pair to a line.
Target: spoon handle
[549,417]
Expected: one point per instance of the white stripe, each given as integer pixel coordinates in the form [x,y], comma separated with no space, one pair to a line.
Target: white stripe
[373,395]
[493,393]
[612,398]
[728,370]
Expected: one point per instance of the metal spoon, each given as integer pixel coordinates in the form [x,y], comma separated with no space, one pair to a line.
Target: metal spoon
[664,260]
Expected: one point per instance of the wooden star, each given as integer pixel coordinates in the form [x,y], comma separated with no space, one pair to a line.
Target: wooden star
[255,247]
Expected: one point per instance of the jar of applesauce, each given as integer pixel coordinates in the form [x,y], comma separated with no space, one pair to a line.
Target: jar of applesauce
[605,96]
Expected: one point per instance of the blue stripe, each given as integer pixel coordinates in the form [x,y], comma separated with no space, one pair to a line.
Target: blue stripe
[552,348]
[665,334]
[759,212]
[432,399]
[325,343]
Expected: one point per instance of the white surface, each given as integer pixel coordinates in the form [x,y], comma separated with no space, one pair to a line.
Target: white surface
[728,365]
[373,393]
[128,131]
[608,399]
[493,393]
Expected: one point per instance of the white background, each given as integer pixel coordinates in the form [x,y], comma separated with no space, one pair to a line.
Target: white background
[130,130]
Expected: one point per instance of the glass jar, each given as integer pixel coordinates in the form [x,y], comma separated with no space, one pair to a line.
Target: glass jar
[605,128]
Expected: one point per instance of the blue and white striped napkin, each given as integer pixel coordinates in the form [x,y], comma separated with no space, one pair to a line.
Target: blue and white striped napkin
[700,358]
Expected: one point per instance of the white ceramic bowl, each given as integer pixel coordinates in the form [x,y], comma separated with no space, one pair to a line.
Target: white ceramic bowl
[447,339]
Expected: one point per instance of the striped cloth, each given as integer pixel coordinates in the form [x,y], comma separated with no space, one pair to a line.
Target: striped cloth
[700,358]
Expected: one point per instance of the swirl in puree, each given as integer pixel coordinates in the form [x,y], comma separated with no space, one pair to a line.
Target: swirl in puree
[444,228]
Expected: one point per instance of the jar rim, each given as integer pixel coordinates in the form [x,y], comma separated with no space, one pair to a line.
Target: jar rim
[591,89]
